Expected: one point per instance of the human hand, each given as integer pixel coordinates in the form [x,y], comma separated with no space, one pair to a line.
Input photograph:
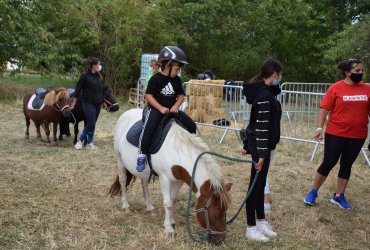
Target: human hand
[318,134]
[259,164]
[244,152]
[174,109]
[164,110]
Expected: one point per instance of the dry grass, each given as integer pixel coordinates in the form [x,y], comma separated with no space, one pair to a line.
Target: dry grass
[55,197]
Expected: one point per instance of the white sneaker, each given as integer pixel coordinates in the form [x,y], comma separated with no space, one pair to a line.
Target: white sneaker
[264,227]
[90,146]
[78,145]
[267,208]
[253,233]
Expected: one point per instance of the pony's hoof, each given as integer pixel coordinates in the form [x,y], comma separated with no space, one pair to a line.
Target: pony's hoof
[170,231]
[152,213]
[126,211]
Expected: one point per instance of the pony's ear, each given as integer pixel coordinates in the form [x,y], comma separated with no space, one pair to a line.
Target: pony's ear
[228,186]
[61,94]
[50,98]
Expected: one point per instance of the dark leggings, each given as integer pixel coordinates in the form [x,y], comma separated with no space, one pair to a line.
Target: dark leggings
[151,123]
[91,112]
[345,148]
[254,204]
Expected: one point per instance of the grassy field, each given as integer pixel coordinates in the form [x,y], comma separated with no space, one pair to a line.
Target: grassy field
[55,197]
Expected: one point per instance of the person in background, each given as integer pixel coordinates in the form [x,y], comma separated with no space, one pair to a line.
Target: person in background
[155,65]
[347,104]
[262,136]
[90,89]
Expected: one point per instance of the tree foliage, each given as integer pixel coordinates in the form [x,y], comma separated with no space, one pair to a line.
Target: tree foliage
[231,38]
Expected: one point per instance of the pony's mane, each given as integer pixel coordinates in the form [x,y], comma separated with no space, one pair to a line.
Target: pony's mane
[225,198]
[62,94]
[55,95]
[198,146]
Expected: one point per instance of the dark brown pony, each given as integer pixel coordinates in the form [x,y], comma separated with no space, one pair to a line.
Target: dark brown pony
[56,106]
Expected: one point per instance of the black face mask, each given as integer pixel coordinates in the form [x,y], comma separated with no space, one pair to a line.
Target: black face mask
[356,78]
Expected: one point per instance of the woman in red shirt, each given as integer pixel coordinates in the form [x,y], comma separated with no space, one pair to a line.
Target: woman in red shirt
[347,101]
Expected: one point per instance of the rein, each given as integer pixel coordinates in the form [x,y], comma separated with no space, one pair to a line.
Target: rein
[58,108]
[206,233]
[110,104]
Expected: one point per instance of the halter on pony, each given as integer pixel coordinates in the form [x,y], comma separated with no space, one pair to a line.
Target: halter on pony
[59,109]
[108,105]
[206,232]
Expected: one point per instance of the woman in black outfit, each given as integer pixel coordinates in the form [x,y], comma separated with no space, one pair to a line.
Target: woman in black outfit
[263,133]
[90,89]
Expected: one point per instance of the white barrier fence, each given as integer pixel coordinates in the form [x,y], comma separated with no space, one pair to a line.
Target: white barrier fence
[225,107]
[300,105]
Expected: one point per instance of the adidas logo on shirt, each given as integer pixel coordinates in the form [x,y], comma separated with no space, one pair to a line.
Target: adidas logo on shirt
[168,90]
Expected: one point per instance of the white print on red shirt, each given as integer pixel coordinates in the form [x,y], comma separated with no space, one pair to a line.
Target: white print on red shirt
[354,98]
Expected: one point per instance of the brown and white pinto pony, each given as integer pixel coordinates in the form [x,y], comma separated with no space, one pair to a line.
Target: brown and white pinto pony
[174,164]
[56,106]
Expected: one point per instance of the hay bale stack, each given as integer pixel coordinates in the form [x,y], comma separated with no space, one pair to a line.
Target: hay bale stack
[202,90]
[205,102]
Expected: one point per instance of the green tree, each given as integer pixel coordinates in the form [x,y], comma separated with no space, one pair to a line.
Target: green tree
[352,42]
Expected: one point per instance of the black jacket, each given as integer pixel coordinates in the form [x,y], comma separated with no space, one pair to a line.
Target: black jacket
[263,131]
[90,87]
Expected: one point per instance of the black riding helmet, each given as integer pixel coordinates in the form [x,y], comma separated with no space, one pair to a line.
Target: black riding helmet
[172,53]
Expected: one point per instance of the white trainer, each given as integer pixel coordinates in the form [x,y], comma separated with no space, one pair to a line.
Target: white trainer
[78,145]
[264,227]
[253,233]
[90,146]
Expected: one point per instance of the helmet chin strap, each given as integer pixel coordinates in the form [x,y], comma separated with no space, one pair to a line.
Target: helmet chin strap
[169,64]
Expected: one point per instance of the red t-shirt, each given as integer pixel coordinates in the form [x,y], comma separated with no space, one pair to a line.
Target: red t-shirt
[349,107]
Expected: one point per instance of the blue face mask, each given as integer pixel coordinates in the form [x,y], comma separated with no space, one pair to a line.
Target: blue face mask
[276,82]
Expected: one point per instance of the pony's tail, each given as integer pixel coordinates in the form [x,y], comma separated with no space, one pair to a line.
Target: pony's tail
[116,188]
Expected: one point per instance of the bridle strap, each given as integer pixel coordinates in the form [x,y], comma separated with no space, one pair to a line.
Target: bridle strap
[205,210]
[58,108]
[109,103]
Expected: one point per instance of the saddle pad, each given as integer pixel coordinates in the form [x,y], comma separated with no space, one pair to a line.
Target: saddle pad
[70,92]
[35,103]
[133,135]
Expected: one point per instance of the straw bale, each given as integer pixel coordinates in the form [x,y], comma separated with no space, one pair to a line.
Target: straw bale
[200,90]
[205,102]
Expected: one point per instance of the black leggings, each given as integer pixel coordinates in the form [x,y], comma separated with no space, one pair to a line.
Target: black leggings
[91,112]
[255,204]
[345,148]
[152,120]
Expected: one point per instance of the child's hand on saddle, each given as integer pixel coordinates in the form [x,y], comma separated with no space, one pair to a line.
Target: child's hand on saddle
[174,109]
[164,110]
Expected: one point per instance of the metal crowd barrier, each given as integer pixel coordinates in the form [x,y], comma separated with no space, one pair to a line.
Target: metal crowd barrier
[225,107]
[217,105]
[300,105]
[140,93]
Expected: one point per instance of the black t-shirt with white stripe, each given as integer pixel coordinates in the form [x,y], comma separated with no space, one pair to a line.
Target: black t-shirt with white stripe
[164,89]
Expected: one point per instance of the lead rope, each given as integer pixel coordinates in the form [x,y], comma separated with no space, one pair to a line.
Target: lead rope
[205,234]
